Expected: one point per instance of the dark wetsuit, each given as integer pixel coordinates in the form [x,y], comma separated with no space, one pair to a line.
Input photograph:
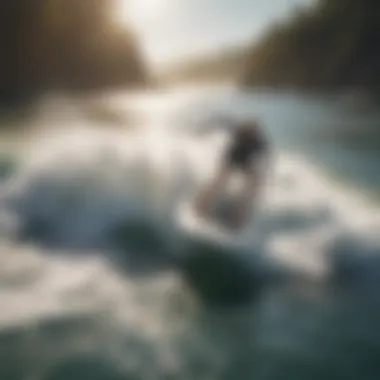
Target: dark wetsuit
[244,150]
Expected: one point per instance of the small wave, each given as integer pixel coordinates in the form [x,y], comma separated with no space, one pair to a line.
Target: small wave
[113,190]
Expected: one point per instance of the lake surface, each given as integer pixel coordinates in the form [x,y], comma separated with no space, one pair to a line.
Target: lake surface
[98,281]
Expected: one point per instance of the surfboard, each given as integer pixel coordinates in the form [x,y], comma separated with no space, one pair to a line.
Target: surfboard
[213,228]
[221,265]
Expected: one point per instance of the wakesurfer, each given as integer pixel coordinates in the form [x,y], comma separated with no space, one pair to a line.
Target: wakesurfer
[244,153]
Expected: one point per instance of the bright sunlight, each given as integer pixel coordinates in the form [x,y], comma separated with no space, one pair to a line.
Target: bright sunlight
[140,11]
[148,19]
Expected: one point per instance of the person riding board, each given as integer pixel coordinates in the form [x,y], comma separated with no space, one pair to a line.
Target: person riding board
[244,154]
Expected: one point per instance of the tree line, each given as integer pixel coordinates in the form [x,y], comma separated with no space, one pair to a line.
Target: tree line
[68,45]
[333,45]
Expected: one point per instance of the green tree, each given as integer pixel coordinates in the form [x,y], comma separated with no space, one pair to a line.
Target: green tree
[64,44]
[332,45]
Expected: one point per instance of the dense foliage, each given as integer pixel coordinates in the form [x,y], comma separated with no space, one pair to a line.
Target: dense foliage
[335,44]
[63,44]
[332,45]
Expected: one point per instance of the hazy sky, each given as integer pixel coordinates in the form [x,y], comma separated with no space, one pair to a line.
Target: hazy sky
[173,29]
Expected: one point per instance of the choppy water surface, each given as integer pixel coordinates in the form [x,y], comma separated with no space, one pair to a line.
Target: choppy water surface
[98,281]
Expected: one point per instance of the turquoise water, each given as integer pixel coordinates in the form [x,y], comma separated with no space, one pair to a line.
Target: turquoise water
[98,281]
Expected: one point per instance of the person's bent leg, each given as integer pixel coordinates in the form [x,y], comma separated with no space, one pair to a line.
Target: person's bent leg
[250,191]
[206,196]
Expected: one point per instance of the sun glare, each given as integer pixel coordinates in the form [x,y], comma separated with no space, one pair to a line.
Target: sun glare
[140,11]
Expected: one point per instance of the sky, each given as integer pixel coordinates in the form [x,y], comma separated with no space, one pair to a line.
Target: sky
[172,30]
